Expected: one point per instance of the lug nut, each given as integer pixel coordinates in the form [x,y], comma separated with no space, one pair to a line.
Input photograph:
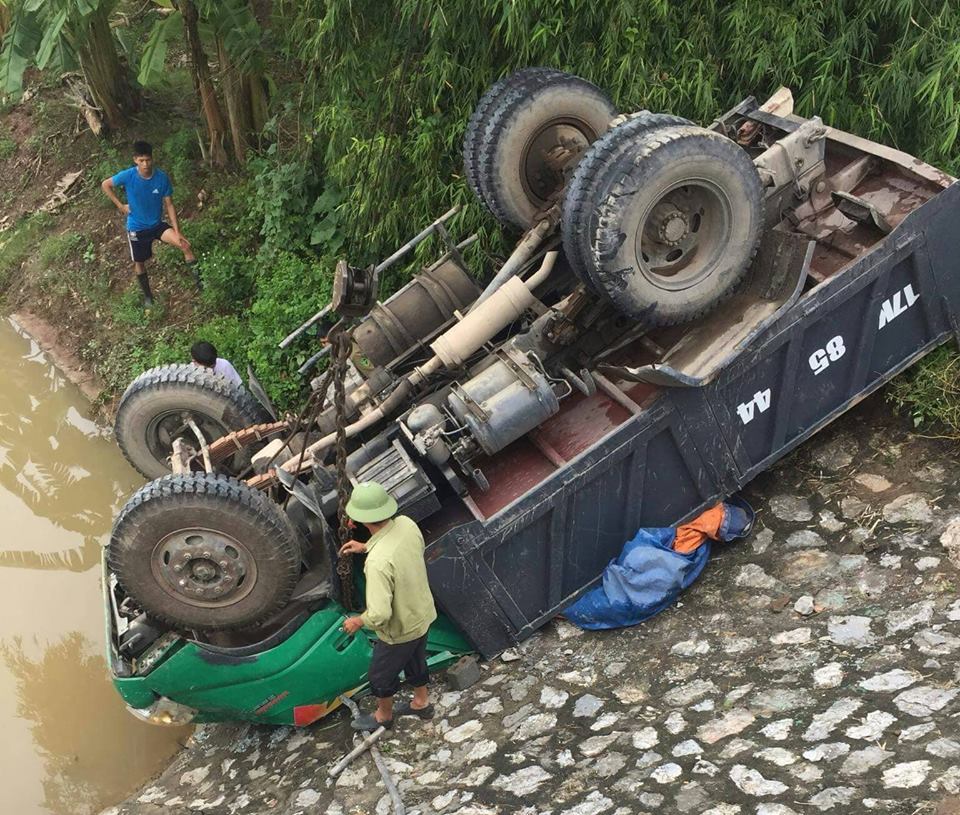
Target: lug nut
[177,567]
[183,582]
[223,564]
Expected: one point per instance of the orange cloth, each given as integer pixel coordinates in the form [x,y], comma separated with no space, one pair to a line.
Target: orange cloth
[692,534]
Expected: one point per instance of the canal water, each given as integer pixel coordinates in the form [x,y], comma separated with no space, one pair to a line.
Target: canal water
[68,747]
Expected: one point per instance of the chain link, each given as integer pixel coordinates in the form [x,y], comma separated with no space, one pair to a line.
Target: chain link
[342,344]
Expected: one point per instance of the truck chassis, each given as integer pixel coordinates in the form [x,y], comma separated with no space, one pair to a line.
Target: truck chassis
[566,426]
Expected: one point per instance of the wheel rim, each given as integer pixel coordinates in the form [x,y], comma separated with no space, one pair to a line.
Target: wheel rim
[166,427]
[204,567]
[682,234]
[549,152]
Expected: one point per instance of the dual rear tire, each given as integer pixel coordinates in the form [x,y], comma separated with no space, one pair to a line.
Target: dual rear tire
[660,217]
[665,223]
[524,138]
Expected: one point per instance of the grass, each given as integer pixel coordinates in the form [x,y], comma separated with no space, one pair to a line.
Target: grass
[19,242]
[930,392]
[7,146]
[55,250]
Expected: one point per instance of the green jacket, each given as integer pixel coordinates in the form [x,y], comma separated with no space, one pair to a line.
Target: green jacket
[399,604]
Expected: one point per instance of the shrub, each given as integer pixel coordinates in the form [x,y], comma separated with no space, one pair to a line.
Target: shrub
[295,206]
[930,392]
[178,157]
[293,289]
[228,277]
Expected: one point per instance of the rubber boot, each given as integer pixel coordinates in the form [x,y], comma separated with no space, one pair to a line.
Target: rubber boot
[144,282]
[195,268]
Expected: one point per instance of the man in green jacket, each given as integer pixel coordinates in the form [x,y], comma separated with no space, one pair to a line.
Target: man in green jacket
[399,606]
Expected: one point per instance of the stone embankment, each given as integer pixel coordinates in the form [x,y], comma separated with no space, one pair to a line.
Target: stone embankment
[812,669]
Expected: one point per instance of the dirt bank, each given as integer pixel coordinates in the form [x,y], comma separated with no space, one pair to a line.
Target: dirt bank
[48,337]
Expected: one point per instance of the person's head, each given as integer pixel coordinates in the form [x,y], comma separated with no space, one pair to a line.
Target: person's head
[371,505]
[143,157]
[203,354]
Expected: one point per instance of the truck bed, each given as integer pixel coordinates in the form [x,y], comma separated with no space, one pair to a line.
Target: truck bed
[565,498]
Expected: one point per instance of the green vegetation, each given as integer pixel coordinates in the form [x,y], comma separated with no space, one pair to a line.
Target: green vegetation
[7,145]
[346,120]
[18,243]
[55,249]
[401,80]
[930,392]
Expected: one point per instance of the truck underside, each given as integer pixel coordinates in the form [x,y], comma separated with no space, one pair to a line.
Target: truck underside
[533,427]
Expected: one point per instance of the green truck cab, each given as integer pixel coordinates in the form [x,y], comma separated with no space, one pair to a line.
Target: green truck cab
[292,676]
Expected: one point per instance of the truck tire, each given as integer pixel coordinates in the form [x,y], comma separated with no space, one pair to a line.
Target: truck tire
[480,118]
[578,217]
[205,552]
[150,415]
[517,177]
[674,223]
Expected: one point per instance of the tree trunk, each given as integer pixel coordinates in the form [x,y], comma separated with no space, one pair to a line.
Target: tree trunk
[107,78]
[4,20]
[258,102]
[262,11]
[239,110]
[216,128]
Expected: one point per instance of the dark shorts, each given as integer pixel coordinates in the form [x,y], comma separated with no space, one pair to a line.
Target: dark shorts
[389,660]
[141,241]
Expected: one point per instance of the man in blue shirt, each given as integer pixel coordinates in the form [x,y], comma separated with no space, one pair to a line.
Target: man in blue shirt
[149,193]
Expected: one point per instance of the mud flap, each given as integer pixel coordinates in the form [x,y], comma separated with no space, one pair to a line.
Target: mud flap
[254,386]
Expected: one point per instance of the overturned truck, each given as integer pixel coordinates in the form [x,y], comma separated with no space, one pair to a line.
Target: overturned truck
[685,305]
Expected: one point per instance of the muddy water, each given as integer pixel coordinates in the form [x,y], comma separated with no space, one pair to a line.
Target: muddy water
[68,746]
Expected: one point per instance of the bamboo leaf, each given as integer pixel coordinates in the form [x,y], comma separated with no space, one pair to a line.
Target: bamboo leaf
[51,37]
[19,46]
[155,51]
[86,7]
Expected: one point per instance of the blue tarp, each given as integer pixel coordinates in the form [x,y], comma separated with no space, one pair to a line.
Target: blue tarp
[649,575]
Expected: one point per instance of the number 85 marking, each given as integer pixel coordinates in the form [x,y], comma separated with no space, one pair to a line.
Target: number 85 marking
[821,358]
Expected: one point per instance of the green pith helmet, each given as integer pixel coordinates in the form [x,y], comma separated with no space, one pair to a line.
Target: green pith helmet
[371,503]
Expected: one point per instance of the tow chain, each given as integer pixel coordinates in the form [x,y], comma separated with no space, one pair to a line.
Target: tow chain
[340,338]
[341,341]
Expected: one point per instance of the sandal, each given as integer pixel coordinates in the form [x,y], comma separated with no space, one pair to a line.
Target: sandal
[406,709]
[369,722]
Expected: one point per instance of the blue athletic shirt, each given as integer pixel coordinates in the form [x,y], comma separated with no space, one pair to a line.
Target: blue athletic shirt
[144,195]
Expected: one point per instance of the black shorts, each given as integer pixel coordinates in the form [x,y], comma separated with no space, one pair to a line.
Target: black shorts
[389,660]
[141,241]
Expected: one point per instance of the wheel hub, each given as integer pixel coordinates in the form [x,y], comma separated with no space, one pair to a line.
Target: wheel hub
[549,153]
[683,233]
[670,224]
[204,567]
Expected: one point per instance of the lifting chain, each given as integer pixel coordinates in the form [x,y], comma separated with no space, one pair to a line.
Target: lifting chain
[341,341]
[340,338]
